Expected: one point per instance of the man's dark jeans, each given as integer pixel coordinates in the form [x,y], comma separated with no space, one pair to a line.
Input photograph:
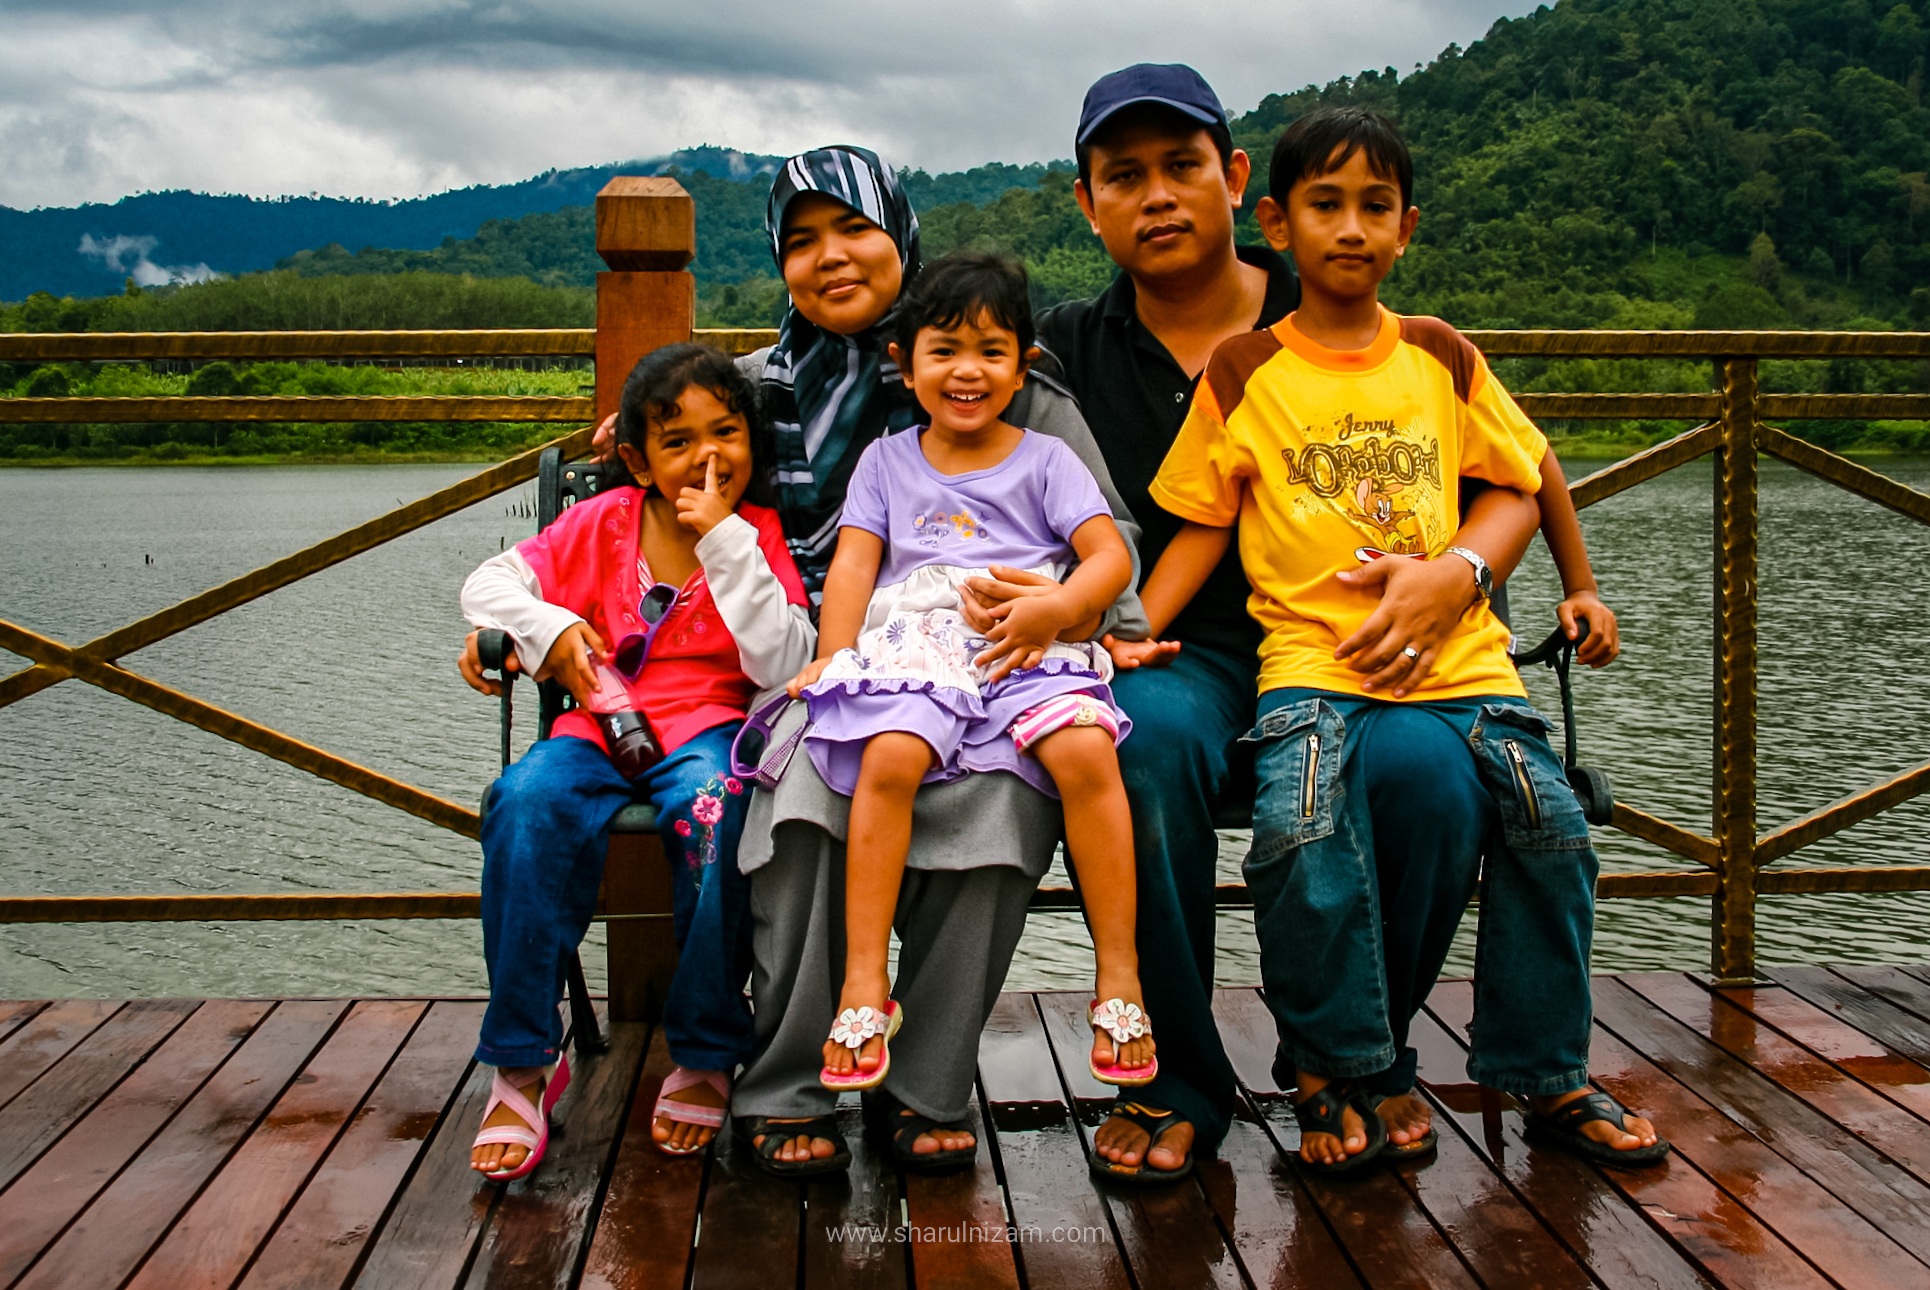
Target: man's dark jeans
[1370,831]
[1186,719]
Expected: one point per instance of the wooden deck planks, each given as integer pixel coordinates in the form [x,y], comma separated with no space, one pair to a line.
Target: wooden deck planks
[322,1238]
[108,1241]
[40,1203]
[868,1199]
[15,1013]
[1895,1076]
[45,1038]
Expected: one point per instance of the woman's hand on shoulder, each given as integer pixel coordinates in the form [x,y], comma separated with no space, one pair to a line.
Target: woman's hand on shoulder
[809,676]
[1127,655]
[1604,643]
[469,663]
[603,444]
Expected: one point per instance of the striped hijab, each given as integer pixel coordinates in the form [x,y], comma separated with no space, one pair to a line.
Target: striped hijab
[828,396]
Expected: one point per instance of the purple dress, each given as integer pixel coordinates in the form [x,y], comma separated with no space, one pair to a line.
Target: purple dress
[912,668]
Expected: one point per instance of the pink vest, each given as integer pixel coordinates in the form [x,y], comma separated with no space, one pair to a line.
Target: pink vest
[587,563]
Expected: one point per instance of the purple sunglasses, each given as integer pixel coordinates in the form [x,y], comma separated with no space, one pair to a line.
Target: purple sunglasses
[634,650]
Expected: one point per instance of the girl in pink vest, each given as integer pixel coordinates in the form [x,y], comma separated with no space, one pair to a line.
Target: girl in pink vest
[678,598]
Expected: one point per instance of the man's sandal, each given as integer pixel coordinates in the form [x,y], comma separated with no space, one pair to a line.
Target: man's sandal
[533,1135]
[1123,1022]
[1322,1113]
[1562,1128]
[853,1027]
[901,1126]
[1155,1121]
[668,1108]
[1405,1150]
[778,1132]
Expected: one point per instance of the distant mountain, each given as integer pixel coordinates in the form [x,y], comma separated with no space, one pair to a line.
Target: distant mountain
[155,238]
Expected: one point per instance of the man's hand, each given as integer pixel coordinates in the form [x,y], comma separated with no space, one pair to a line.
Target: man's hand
[1421,601]
[808,677]
[1604,641]
[470,665]
[702,509]
[1127,655]
[572,661]
[603,445]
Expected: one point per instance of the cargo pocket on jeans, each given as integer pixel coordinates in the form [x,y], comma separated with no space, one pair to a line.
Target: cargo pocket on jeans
[1539,811]
[1297,760]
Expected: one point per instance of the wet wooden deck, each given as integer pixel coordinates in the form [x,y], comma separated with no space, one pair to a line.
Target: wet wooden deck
[323,1143]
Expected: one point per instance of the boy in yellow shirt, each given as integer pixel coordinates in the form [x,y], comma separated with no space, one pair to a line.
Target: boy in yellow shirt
[1336,440]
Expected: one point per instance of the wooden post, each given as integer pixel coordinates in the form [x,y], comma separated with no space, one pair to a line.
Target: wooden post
[1733,938]
[646,231]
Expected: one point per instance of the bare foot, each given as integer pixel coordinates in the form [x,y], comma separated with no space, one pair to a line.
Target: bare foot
[1407,1117]
[802,1147]
[1640,1132]
[682,1137]
[1124,1143]
[502,1157]
[1326,1148]
[1134,1053]
[940,1138]
[873,994]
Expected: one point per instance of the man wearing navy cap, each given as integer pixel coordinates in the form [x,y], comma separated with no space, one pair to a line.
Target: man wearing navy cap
[1160,182]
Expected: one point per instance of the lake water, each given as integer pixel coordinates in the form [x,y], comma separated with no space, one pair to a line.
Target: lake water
[104,797]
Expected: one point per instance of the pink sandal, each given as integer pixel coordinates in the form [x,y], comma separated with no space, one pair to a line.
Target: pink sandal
[691,1112]
[853,1027]
[535,1140]
[1124,1022]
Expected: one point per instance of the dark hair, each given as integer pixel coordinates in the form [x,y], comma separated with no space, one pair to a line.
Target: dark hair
[957,288]
[1308,149]
[651,391]
[1159,117]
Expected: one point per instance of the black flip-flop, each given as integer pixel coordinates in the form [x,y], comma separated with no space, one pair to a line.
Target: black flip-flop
[1155,1121]
[1321,1113]
[1562,1128]
[1406,1150]
[776,1134]
[900,1125]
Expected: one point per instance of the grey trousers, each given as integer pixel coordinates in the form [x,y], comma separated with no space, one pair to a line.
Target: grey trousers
[957,930]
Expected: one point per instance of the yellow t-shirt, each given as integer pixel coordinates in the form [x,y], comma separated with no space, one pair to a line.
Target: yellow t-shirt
[1317,452]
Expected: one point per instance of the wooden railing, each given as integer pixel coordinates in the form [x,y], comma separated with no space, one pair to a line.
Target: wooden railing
[645,233]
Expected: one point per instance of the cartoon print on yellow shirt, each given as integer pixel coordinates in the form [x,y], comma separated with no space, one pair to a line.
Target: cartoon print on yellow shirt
[1377,508]
[1386,481]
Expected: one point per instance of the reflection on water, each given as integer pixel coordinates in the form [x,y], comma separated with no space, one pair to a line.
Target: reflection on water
[105,797]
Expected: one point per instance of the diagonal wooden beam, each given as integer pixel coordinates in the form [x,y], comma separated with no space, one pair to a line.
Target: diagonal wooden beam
[217,721]
[1643,466]
[1845,474]
[1650,828]
[293,568]
[1839,815]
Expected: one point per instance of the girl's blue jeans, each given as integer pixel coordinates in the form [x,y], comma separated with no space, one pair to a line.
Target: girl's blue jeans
[545,832]
[1370,829]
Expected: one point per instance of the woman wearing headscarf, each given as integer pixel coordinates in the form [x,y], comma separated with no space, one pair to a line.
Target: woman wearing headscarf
[845,239]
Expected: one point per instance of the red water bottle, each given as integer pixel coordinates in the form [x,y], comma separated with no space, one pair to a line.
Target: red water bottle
[633,744]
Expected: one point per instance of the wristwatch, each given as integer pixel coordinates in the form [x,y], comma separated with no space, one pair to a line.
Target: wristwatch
[1483,575]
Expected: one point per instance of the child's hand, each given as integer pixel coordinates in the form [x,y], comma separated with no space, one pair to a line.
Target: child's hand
[1022,629]
[703,509]
[809,676]
[1127,655]
[470,665]
[572,661]
[1604,641]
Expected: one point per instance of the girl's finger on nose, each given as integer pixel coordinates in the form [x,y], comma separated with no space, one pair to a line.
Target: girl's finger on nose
[710,475]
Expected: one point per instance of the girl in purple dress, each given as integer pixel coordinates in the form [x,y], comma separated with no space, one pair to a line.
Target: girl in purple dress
[905,692]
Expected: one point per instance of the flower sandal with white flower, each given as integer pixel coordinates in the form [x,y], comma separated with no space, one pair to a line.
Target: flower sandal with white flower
[853,1027]
[1122,1022]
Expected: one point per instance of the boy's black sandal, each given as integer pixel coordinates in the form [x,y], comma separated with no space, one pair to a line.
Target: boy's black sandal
[900,1125]
[777,1133]
[1406,1150]
[1562,1128]
[1321,1113]
[1155,1121]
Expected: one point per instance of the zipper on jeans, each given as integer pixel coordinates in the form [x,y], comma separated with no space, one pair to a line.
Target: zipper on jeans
[1524,785]
[1309,776]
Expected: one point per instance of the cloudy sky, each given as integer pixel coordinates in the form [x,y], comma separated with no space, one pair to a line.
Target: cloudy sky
[395,98]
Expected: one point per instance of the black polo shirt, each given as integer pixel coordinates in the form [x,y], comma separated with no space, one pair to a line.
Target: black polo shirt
[1135,397]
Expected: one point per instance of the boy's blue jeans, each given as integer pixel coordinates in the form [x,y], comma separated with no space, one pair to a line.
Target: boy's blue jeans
[545,832]
[1370,828]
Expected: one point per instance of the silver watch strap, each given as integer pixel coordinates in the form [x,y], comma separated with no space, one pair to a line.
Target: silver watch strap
[1483,575]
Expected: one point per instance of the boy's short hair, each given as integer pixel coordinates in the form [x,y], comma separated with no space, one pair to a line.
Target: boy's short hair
[1159,117]
[958,288]
[1326,139]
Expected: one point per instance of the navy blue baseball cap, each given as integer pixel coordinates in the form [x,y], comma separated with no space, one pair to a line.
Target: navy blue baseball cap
[1175,85]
